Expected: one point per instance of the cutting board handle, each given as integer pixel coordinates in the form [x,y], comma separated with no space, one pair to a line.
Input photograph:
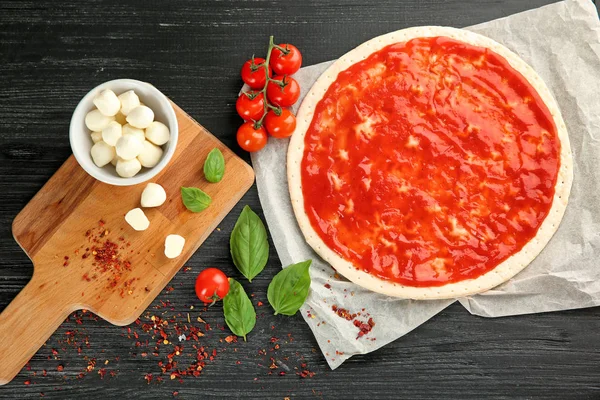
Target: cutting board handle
[25,325]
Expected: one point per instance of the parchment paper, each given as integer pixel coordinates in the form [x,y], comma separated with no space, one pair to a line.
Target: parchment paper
[562,43]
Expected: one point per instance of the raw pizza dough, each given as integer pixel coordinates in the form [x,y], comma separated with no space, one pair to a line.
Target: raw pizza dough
[503,271]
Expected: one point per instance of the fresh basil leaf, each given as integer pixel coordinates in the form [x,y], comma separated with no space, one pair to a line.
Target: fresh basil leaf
[238,309]
[195,199]
[289,288]
[214,166]
[248,244]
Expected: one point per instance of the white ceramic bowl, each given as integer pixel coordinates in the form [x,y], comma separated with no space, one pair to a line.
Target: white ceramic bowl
[81,141]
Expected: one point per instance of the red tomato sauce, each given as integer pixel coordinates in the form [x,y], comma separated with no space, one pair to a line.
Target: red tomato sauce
[429,162]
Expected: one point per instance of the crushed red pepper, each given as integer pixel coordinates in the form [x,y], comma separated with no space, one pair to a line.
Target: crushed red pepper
[364,327]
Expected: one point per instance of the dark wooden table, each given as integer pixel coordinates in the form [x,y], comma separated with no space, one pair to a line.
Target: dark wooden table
[52,53]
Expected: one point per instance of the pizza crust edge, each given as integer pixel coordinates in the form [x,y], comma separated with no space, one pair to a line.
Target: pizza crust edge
[503,271]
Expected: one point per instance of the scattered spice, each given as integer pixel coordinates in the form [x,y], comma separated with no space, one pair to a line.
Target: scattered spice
[364,327]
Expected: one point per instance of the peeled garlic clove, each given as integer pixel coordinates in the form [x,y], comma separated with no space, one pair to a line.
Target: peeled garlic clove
[158,133]
[129,101]
[137,219]
[120,118]
[96,137]
[128,168]
[174,246]
[107,103]
[112,133]
[102,153]
[153,195]
[150,155]
[96,121]
[140,117]
[130,130]
[129,147]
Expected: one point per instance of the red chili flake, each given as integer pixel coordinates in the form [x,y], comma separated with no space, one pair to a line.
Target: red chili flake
[148,378]
[259,304]
[175,393]
[27,382]
[60,368]
[102,372]
[231,338]
[328,286]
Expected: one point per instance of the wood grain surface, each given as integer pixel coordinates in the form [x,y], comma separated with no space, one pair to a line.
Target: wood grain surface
[52,53]
[74,214]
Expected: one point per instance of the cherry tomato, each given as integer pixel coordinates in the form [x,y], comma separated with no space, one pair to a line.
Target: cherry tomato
[250,109]
[253,73]
[211,285]
[251,139]
[282,125]
[284,96]
[286,64]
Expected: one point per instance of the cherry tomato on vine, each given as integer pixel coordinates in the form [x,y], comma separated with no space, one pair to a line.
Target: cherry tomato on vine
[286,62]
[282,125]
[250,106]
[253,73]
[250,138]
[286,95]
[211,285]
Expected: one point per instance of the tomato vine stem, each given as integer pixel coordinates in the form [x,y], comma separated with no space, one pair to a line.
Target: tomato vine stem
[266,104]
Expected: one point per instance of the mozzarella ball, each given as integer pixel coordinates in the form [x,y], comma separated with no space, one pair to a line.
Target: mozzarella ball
[96,137]
[128,168]
[150,155]
[129,147]
[112,133]
[158,133]
[130,130]
[174,246]
[115,159]
[129,101]
[96,121]
[140,117]
[107,103]
[153,195]
[120,118]
[137,219]
[102,153]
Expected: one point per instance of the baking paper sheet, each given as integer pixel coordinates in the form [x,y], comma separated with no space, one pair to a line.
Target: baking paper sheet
[562,43]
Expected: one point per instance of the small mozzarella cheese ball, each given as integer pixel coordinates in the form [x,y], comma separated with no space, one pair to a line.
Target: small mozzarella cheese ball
[150,155]
[130,130]
[137,219]
[115,159]
[120,118]
[112,133]
[128,168]
[129,101]
[158,133]
[96,121]
[140,117]
[96,137]
[174,246]
[129,147]
[107,102]
[102,153]
[153,195]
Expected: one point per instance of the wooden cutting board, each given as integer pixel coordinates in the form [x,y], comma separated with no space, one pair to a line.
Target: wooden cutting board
[54,224]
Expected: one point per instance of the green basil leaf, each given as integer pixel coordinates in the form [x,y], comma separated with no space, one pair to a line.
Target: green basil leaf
[289,288]
[238,309]
[195,199]
[248,244]
[214,166]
